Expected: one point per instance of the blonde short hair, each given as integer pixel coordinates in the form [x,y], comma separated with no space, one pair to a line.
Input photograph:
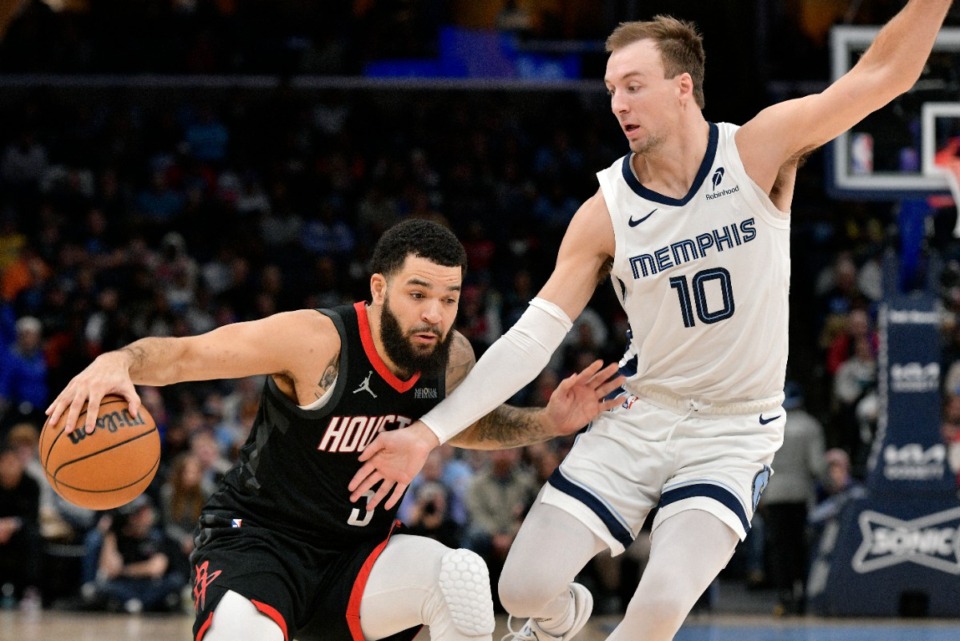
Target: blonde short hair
[679,42]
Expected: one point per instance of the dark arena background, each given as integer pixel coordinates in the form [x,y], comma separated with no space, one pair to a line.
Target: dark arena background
[168,166]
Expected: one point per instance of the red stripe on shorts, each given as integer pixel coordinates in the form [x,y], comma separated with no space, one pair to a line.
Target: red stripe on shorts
[274,615]
[356,593]
[203,628]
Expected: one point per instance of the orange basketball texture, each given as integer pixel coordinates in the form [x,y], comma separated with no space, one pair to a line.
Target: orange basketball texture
[107,468]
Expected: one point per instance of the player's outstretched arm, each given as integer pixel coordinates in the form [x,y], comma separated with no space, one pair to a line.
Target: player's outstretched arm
[890,66]
[511,362]
[578,399]
[394,458]
[231,351]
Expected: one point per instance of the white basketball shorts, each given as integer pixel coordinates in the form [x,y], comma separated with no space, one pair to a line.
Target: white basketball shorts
[640,456]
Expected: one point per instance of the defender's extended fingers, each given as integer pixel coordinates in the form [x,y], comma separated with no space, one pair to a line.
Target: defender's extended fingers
[362,481]
[380,494]
[610,385]
[397,495]
[371,449]
[607,372]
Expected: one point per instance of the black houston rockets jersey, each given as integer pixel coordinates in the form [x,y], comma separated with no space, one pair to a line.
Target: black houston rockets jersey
[295,466]
[704,280]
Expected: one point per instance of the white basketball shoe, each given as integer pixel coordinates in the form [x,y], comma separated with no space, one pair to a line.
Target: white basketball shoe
[531,631]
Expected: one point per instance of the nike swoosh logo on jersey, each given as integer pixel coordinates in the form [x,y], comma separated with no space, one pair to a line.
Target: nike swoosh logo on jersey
[764,421]
[634,223]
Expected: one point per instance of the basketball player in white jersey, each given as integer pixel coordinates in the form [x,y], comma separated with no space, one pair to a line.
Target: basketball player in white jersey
[693,228]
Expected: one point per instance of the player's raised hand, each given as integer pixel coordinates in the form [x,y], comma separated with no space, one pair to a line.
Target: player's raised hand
[394,458]
[580,397]
[109,373]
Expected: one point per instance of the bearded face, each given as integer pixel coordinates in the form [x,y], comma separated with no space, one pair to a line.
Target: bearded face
[408,354]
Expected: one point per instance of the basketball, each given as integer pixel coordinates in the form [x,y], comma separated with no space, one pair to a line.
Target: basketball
[107,468]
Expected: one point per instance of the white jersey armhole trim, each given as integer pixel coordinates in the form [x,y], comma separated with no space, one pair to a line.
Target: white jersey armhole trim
[320,402]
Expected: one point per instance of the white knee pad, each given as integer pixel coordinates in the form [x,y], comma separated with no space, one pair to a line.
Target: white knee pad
[465,585]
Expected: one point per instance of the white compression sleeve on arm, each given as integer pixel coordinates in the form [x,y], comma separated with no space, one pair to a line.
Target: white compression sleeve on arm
[512,361]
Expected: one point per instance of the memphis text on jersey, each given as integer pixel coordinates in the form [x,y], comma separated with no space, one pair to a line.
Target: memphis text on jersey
[354,433]
[690,249]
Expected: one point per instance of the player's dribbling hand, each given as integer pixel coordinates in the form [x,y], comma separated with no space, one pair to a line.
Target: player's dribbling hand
[107,374]
[392,459]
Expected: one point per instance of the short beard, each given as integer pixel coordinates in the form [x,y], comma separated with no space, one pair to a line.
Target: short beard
[644,147]
[403,353]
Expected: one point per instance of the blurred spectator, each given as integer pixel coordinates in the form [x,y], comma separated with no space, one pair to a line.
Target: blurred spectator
[206,137]
[213,463]
[837,488]
[798,465]
[498,498]
[59,519]
[429,516]
[856,378]
[24,162]
[444,469]
[20,541]
[132,573]
[181,498]
[857,325]
[159,204]
[950,429]
[23,375]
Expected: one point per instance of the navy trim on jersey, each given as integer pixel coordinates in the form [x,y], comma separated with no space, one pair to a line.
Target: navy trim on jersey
[619,532]
[705,166]
[710,491]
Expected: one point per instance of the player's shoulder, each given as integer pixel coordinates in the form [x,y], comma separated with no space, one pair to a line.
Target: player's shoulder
[461,361]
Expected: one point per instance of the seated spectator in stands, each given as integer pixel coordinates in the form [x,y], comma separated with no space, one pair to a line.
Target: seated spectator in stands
[20,541]
[453,474]
[133,572]
[855,379]
[23,375]
[857,325]
[59,520]
[181,498]
[429,516]
[950,429]
[214,464]
[498,498]
[837,488]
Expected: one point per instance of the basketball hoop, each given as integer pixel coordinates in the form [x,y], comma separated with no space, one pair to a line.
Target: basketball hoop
[947,164]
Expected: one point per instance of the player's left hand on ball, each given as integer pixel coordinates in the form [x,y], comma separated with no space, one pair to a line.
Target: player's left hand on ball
[581,397]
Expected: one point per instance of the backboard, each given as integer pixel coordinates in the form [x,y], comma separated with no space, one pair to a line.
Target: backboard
[889,155]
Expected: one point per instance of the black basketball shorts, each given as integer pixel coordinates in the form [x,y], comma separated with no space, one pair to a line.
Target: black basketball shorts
[312,593]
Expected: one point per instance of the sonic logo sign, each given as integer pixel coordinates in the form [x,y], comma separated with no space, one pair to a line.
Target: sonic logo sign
[932,541]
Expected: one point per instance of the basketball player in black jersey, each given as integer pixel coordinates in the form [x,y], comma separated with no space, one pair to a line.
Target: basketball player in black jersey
[282,552]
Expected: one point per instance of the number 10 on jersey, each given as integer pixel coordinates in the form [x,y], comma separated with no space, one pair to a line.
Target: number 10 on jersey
[696,289]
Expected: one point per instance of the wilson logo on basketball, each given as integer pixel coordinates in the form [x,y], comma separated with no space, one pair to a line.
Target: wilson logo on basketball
[110,422]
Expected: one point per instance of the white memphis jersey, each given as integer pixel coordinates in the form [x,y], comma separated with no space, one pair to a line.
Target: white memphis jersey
[704,281]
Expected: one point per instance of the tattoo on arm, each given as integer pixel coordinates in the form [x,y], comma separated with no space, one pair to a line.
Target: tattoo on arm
[138,355]
[509,426]
[462,360]
[329,375]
